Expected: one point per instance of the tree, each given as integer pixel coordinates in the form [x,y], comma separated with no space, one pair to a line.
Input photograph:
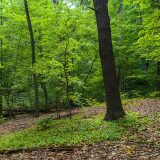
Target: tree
[32,41]
[114,105]
[78,68]
[158,61]
[1,64]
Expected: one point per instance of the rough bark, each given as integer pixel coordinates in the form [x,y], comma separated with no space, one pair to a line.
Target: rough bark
[114,105]
[158,62]
[35,77]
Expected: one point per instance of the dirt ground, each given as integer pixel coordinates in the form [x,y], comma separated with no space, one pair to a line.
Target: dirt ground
[126,150]
[27,120]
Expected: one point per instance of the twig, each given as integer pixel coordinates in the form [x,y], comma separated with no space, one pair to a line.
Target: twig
[50,148]
[93,9]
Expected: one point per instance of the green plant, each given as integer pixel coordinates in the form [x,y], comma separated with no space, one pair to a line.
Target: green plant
[73,131]
[2,119]
[154,94]
[45,124]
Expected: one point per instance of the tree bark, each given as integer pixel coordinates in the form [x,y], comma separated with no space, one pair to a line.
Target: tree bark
[158,62]
[65,65]
[114,105]
[44,88]
[120,6]
[158,74]
[35,77]
[119,29]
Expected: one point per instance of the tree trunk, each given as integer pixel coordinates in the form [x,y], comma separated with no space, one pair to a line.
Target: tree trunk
[44,88]
[114,105]
[1,70]
[65,65]
[119,29]
[120,6]
[158,74]
[35,77]
[55,1]
[158,62]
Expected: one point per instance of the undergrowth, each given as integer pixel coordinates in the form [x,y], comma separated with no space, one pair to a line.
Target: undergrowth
[71,132]
[2,119]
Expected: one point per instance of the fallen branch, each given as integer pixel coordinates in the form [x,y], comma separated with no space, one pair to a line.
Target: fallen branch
[50,148]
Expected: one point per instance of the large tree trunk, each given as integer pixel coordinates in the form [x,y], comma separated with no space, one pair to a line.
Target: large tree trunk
[1,71]
[158,62]
[114,105]
[35,77]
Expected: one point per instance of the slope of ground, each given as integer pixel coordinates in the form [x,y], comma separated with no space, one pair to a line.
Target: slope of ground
[138,142]
[27,120]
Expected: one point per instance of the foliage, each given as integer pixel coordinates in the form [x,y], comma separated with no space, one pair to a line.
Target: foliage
[154,94]
[2,119]
[67,51]
[72,132]
[45,124]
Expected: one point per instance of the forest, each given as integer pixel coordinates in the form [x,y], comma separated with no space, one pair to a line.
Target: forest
[79,79]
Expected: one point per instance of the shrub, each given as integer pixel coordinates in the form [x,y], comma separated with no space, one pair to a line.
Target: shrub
[45,124]
[2,119]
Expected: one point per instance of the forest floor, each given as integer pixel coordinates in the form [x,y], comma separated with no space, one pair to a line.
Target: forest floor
[142,143]
[27,120]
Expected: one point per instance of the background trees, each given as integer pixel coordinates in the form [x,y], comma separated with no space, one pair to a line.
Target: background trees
[1,71]
[67,59]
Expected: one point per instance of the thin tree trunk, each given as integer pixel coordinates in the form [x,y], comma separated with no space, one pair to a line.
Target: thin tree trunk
[158,74]
[55,1]
[65,65]
[87,76]
[119,29]
[35,77]
[114,105]
[44,88]
[119,78]
[120,6]
[43,84]
[1,70]
[10,111]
